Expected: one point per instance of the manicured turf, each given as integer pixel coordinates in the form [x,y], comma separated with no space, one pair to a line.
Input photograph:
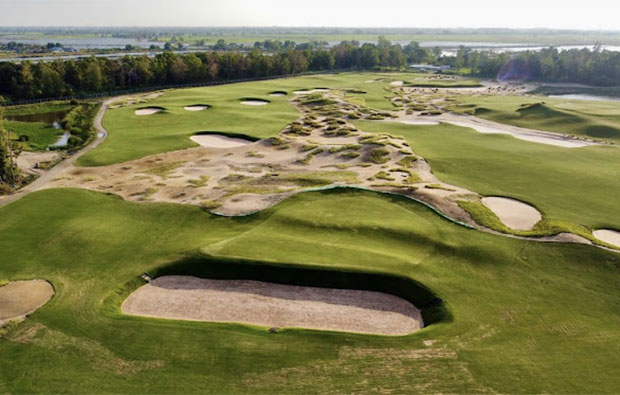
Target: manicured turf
[592,119]
[571,184]
[132,136]
[527,317]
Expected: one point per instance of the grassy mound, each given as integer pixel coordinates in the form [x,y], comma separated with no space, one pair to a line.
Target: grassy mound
[514,326]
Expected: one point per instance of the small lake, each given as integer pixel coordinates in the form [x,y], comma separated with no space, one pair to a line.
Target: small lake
[62,140]
[575,96]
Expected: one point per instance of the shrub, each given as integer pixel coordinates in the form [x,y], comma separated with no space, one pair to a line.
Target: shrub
[379,155]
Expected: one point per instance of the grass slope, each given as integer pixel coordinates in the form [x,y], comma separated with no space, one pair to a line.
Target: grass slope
[527,317]
[570,184]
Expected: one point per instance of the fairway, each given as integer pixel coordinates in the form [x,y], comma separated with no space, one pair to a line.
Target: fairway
[571,184]
[133,137]
[316,243]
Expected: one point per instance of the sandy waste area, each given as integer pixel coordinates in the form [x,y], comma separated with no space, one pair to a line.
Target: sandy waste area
[431,101]
[20,298]
[274,305]
[513,213]
[232,176]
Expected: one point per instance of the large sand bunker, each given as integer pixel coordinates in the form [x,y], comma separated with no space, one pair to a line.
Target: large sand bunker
[608,236]
[274,305]
[218,141]
[148,110]
[196,107]
[396,83]
[309,91]
[513,213]
[255,102]
[20,298]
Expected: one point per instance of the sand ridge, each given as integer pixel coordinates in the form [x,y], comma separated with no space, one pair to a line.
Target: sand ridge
[274,305]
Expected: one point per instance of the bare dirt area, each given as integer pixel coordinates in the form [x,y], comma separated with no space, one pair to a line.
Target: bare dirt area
[513,213]
[274,305]
[35,162]
[608,236]
[20,298]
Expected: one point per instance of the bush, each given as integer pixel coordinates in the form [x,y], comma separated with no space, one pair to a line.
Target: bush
[379,155]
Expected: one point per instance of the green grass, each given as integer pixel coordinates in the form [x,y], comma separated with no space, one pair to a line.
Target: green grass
[132,137]
[526,316]
[574,185]
[591,119]
[40,135]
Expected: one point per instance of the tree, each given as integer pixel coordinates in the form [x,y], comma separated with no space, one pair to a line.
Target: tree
[9,174]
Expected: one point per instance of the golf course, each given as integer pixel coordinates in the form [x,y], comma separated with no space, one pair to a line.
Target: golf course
[347,232]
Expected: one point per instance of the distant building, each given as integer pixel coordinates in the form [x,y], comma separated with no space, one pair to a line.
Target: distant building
[429,67]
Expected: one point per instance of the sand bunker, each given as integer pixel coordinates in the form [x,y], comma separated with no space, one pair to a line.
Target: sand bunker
[608,236]
[148,111]
[396,83]
[274,305]
[255,102]
[513,213]
[20,298]
[218,141]
[196,107]
[277,94]
[309,91]
[413,122]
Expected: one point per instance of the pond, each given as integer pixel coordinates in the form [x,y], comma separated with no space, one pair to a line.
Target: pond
[51,118]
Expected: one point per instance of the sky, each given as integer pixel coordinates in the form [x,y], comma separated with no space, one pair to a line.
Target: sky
[560,14]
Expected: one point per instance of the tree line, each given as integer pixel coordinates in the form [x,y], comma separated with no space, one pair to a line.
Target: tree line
[27,80]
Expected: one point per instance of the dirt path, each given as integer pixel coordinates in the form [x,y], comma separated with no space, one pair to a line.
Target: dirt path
[49,176]
[274,305]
